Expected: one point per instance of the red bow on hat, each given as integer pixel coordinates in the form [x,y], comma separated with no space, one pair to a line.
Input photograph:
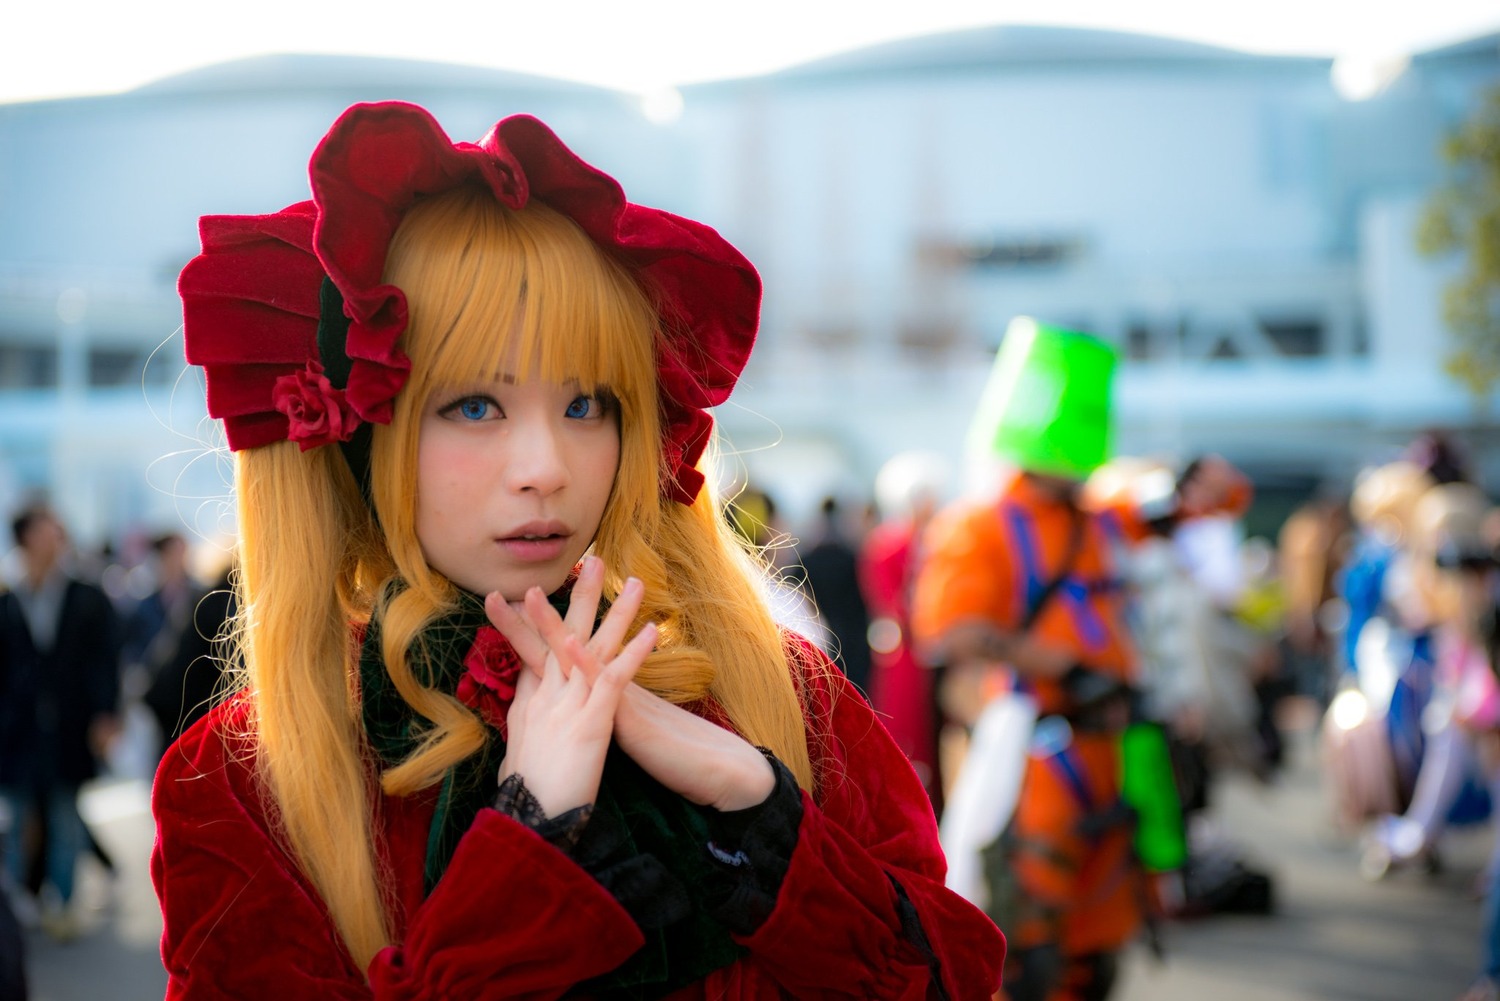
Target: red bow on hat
[251,299]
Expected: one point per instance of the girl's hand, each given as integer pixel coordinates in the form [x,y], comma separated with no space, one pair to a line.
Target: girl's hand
[700,761]
[560,722]
[696,759]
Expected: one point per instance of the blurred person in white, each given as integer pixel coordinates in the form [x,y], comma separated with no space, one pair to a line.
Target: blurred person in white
[59,684]
[1197,662]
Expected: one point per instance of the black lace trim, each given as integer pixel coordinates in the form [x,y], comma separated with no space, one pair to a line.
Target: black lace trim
[649,892]
[750,849]
[562,832]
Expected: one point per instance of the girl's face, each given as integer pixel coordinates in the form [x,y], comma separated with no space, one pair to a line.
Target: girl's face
[513,475]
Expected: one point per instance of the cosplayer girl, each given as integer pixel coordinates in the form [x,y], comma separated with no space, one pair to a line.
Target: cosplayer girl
[515,721]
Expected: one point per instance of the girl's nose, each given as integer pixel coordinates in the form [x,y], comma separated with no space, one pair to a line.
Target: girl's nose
[536,461]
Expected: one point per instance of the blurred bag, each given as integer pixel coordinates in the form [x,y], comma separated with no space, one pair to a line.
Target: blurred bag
[1149,786]
[986,791]
[1219,881]
[1357,763]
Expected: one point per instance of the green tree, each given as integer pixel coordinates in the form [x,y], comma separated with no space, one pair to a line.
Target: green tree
[1463,217]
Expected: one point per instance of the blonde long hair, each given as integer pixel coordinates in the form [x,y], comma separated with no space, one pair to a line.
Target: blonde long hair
[482,283]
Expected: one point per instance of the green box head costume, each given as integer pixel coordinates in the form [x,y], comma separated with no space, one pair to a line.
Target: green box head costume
[1046,407]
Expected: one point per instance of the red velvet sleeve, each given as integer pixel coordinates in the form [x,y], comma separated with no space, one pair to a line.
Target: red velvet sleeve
[837,930]
[511,918]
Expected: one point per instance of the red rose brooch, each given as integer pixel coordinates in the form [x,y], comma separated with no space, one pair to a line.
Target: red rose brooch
[488,684]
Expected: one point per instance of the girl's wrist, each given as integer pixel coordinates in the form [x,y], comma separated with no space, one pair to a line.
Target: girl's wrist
[748,782]
[563,830]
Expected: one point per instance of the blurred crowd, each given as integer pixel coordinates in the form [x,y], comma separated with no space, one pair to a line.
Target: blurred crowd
[92,644]
[1369,619]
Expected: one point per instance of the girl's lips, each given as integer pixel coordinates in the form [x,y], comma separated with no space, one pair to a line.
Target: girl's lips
[541,549]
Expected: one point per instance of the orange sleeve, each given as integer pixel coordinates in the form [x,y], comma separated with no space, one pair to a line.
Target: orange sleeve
[965,574]
[1126,516]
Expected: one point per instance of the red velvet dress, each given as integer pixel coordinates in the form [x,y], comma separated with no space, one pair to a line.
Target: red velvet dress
[515,918]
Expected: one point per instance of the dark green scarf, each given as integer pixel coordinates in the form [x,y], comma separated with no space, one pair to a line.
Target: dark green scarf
[658,822]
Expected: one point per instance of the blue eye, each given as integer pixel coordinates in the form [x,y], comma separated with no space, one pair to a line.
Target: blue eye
[584,406]
[471,408]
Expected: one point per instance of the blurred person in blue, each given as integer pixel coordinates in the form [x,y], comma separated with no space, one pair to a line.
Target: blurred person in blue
[1386,647]
[59,685]
[152,623]
[1452,575]
[1457,573]
[1389,662]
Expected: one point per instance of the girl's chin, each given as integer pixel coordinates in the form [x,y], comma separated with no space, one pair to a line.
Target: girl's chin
[513,589]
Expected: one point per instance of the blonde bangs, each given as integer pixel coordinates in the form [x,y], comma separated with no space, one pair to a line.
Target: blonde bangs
[487,286]
[491,289]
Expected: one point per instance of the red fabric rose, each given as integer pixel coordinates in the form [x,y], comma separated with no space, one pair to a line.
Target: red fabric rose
[488,685]
[317,413]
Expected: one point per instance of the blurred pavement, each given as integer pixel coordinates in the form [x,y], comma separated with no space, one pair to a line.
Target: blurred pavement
[1412,937]
[1334,937]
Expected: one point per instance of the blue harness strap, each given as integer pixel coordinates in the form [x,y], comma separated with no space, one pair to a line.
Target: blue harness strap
[1087,624]
[1062,762]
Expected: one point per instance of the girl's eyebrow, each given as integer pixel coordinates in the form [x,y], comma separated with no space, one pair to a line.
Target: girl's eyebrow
[508,379]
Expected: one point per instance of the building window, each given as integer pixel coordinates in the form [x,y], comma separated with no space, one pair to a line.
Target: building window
[1296,337]
[1225,349]
[1002,253]
[110,367]
[27,365]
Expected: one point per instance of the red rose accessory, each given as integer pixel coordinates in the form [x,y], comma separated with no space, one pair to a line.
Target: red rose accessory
[488,684]
[316,412]
[297,335]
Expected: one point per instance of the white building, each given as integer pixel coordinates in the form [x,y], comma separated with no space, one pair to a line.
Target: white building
[1242,231]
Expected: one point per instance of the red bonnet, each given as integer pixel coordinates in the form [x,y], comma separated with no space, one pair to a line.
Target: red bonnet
[254,298]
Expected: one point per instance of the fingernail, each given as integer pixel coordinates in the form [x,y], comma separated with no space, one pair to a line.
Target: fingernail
[633,582]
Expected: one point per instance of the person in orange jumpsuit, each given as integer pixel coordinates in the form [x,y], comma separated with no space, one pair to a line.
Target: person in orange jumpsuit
[1020,589]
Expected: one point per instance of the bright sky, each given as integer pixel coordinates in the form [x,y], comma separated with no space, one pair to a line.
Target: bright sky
[53,48]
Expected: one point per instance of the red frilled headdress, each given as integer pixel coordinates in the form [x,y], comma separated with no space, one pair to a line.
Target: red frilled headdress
[297,335]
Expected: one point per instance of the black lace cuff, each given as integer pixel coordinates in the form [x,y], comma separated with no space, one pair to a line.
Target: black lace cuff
[649,892]
[562,831]
[752,850]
